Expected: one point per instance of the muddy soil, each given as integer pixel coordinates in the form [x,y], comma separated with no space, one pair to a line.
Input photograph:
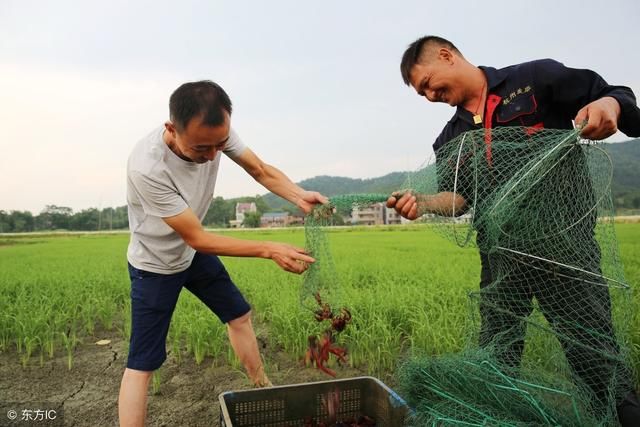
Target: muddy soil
[87,394]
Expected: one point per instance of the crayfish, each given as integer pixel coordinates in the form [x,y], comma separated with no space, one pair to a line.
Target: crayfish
[338,322]
[320,348]
[331,407]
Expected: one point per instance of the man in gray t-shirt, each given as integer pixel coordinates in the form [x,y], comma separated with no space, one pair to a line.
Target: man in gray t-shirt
[171,176]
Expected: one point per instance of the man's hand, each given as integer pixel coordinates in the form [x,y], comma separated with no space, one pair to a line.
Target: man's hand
[602,118]
[308,199]
[405,203]
[289,258]
[412,206]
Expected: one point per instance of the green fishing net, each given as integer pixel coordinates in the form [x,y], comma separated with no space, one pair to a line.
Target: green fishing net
[537,204]
[321,277]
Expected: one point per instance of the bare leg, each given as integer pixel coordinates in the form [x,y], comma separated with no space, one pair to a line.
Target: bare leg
[132,402]
[243,341]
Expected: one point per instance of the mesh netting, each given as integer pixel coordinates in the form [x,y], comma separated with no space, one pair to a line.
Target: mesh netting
[321,277]
[537,204]
[470,388]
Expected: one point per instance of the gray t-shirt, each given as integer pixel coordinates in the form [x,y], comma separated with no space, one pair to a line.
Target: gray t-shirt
[160,184]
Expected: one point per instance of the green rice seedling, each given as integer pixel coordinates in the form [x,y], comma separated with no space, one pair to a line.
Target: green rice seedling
[176,347]
[156,379]
[126,320]
[406,287]
[106,314]
[69,342]
[217,340]
[30,343]
[232,359]
[19,335]
[199,347]
[5,333]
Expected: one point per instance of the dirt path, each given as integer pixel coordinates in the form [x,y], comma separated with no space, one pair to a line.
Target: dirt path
[87,393]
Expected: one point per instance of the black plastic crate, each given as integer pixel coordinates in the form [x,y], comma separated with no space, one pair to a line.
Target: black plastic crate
[290,405]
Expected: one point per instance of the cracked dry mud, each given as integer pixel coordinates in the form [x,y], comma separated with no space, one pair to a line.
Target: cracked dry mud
[88,393]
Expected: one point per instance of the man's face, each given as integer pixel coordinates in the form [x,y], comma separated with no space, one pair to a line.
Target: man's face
[198,142]
[436,79]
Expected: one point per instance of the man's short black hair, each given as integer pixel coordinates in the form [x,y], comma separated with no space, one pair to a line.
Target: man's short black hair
[194,99]
[413,54]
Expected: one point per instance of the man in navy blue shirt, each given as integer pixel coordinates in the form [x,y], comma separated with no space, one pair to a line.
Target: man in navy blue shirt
[536,95]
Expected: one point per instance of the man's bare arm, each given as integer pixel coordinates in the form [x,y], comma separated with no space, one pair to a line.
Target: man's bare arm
[188,226]
[277,182]
[412,206]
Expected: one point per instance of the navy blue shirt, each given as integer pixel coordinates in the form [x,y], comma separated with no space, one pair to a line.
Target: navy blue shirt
[543,93]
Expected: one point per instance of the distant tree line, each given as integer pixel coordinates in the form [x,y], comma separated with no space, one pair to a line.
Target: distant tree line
[626,199]
[55,217]
[63,218]
[219,214]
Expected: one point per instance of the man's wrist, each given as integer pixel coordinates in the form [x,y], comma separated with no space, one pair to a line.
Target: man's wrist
[266,251]
[299,198]
[615,105]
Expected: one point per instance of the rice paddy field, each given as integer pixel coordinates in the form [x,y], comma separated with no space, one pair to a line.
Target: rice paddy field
[407,289]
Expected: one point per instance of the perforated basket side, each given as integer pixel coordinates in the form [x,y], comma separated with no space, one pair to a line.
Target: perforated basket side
[291,405]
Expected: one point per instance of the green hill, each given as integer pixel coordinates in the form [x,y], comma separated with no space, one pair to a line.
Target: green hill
[626,173]
[334,185]
[626,180]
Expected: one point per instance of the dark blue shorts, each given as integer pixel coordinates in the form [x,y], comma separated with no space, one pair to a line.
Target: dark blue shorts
[154,297]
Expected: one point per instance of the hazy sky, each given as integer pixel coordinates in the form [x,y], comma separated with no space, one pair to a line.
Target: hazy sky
[315,85]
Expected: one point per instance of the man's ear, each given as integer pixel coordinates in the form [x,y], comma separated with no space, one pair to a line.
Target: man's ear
[170,127]
[446,55]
